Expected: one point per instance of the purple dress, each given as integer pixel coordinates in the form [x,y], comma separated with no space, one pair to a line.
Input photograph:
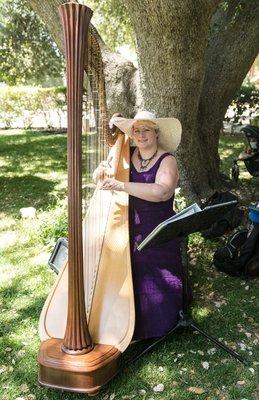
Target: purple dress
[157,271]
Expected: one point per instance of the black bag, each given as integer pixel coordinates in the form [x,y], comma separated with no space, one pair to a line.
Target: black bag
[229,221]
[240,256]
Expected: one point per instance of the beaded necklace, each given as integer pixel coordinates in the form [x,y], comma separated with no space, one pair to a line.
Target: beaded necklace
[144,162]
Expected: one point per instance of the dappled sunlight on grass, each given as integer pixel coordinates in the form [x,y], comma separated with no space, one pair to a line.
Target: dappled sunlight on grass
[25,191]
[41,258]
[34,174]
[7,222]
[202,312]
[229,149]
[7,239]
[32,157]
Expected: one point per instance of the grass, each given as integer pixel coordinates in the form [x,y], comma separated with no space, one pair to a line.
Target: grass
[247,187]
[33,173]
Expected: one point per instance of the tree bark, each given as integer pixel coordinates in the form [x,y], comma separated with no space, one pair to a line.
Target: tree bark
[172,40]
[232,48]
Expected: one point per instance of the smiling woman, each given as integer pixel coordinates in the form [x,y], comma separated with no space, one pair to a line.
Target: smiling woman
[157,271]
[152,138]
[145,135]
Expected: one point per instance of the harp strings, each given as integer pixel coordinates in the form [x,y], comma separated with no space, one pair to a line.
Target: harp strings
[95,149]
[95,130]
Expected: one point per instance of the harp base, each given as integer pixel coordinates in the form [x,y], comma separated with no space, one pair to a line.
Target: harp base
[85,373]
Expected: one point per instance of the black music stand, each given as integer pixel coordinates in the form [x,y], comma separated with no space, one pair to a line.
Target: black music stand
[182,227]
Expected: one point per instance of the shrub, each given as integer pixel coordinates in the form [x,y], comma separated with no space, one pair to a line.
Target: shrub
[53,224]
[26,102]
[246,102]
[11,105]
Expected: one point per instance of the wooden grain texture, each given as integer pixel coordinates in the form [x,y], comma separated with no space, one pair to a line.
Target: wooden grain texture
[75,20]
[85,373]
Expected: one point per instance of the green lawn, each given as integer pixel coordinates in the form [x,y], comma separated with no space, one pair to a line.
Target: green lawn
[33,173]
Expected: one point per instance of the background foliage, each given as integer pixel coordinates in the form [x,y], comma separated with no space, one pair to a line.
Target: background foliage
[27,52]
[113,23]
[26,102]
[246,101]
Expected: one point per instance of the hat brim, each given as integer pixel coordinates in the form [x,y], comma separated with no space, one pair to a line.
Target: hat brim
[170,130]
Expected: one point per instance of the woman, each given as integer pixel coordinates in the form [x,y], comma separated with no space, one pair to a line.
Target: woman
[157,271]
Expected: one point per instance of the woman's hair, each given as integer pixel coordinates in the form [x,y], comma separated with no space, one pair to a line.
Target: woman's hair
[147,123]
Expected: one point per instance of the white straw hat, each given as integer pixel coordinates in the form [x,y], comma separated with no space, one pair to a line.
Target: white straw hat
[170,129]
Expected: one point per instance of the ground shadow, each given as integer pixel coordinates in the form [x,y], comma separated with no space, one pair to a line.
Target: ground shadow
[33,153]
[25,191]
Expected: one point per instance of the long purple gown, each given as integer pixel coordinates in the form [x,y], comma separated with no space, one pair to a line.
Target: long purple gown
[157,271]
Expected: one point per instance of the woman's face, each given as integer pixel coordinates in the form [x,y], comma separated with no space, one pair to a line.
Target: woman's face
[144,136]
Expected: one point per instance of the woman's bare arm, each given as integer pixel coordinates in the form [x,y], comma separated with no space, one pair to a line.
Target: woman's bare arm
[166,181]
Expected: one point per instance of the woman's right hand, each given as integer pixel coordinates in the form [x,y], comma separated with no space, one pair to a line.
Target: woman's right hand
[104,170]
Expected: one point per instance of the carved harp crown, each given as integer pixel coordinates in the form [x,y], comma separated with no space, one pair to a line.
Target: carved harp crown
[88,318]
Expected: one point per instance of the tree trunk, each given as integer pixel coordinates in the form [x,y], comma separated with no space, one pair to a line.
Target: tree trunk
[172,40]
[192,61]
[232,48]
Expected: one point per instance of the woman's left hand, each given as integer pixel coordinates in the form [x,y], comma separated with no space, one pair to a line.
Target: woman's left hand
[112,184]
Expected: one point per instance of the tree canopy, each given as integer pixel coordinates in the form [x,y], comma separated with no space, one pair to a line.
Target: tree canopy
[112,21]
[27,52]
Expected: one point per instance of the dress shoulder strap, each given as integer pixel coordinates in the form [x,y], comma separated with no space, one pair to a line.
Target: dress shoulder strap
[164,155]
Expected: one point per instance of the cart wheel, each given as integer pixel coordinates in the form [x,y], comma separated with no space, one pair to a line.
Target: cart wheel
[235,172]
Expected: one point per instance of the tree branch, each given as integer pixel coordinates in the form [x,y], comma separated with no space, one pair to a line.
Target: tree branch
[232,48]
[120,85]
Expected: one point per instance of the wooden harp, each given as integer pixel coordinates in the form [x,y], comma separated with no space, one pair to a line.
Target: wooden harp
[88,318]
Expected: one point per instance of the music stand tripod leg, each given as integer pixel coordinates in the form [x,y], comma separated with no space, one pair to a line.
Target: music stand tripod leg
[218,343]
[151,346]
[184,321]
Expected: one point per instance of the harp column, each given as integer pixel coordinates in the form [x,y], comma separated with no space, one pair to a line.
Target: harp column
[75,20]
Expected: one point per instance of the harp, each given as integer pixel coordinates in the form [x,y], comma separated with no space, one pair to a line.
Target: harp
[88,318]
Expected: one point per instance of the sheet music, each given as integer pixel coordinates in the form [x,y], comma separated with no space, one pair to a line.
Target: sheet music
[191,210]
[194,208]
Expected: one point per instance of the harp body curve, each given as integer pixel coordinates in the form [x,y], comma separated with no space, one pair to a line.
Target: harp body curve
[108,285]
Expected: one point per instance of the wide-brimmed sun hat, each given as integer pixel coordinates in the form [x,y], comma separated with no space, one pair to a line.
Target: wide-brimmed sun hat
[170,129]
